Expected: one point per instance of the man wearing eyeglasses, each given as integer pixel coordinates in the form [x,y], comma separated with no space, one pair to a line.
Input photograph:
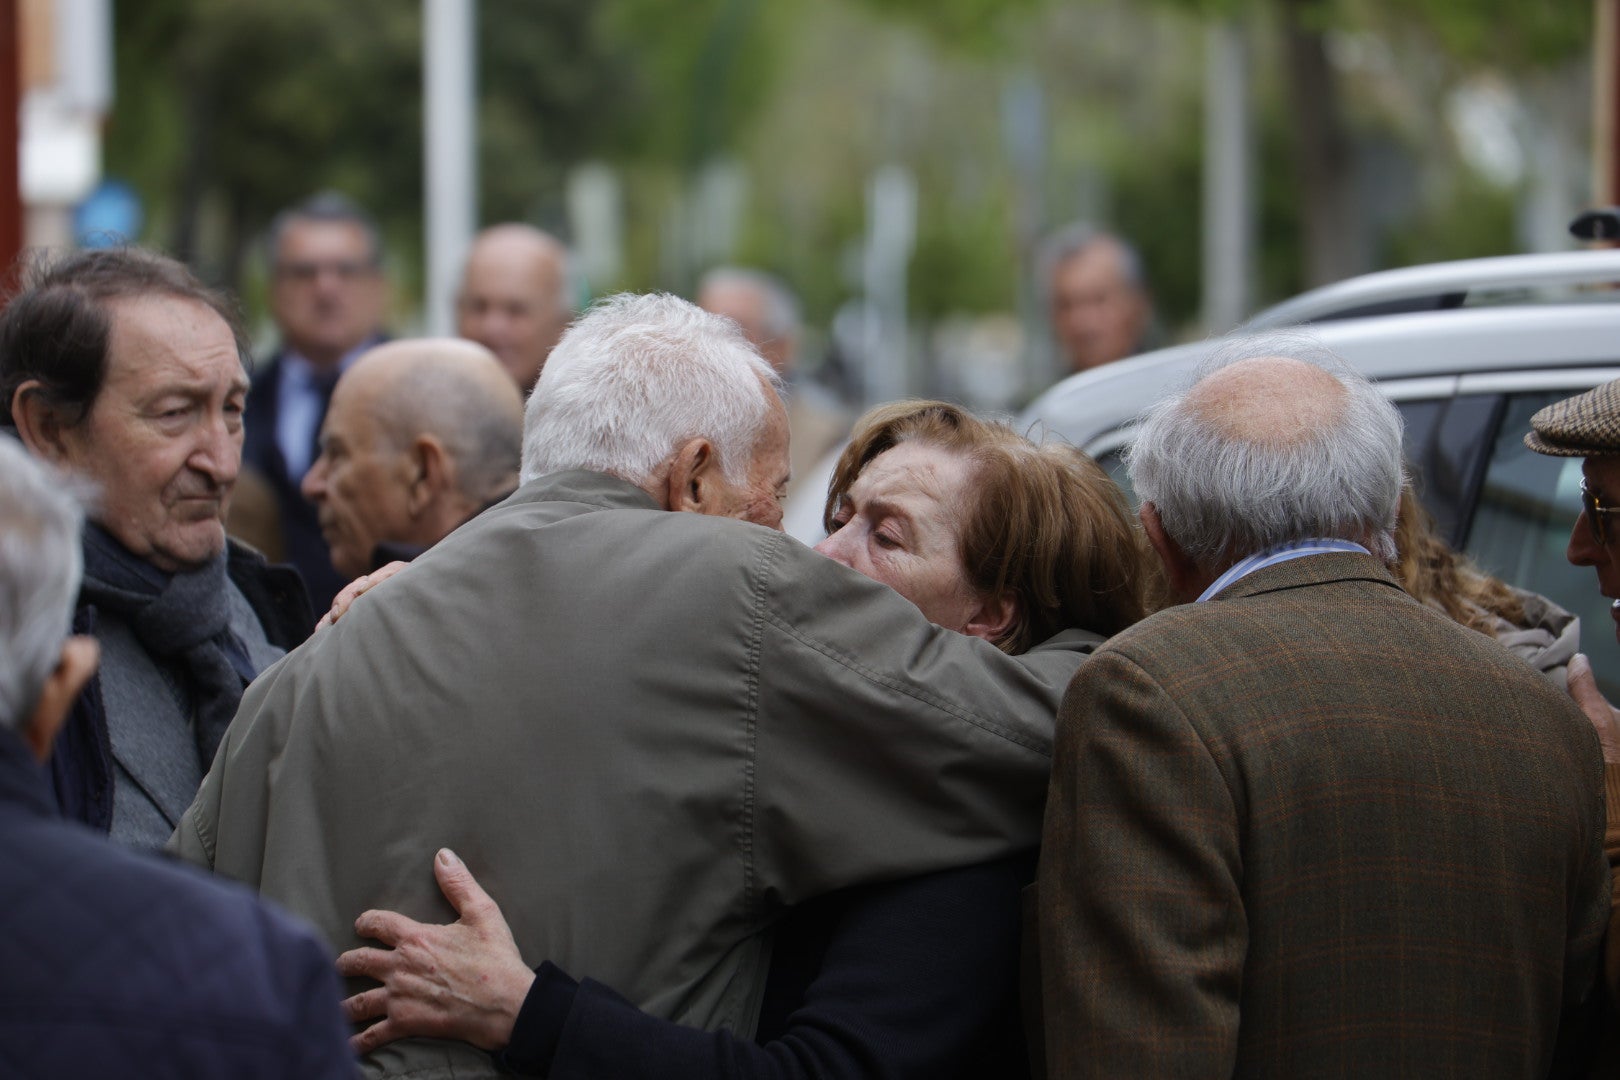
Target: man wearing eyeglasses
[327,296]
[1588,426]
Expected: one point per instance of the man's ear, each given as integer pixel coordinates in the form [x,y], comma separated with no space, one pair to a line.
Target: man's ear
[39,426]
[78,661]
[1187,579]
[432,472]
[694,474]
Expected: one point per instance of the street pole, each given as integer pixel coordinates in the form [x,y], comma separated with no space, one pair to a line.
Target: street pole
[450,123]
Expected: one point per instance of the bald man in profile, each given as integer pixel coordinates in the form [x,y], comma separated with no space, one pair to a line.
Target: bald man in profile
[421,436]
[769,317]
[514,297]
[1300,824]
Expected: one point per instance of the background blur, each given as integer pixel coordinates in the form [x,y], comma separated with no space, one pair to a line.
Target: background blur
[895,161]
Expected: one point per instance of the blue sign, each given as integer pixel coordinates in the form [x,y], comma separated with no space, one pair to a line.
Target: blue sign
[110,216]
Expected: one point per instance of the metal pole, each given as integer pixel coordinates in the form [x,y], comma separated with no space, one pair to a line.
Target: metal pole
[1228,268]
[450,167]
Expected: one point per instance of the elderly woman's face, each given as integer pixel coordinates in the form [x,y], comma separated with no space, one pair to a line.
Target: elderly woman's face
[898,524]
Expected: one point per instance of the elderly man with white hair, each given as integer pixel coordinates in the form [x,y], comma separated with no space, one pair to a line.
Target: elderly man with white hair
[1301,824]
[113,962]
[648,731]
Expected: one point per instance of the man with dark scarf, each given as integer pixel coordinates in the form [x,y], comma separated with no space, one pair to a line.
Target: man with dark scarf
[122,368]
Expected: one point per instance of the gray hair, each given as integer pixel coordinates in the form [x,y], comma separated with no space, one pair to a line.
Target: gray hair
[1076,237]
[40,565]
[1220,494]
[636,376]
[781,309]
[326,207]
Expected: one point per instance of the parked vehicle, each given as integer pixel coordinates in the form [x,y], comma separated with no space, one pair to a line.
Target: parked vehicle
[1468,351]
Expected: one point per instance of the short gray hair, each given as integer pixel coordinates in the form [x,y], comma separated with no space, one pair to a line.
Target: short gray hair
[1220,495]
[40,565]
[324,207]
[1071,240]
[636,376]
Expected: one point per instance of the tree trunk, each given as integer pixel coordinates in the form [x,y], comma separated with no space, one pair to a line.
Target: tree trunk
[1330,218]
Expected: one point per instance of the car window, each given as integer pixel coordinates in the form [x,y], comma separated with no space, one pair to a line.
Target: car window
[1446,443]
[1528,503]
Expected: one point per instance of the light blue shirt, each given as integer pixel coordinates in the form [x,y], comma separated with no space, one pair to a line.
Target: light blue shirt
[298,409]
[1272,556]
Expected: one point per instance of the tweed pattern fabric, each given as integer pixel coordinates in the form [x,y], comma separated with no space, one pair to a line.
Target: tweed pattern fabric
[1586,425]
[1312,828]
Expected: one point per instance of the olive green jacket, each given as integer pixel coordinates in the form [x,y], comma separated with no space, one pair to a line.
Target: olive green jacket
[645,732]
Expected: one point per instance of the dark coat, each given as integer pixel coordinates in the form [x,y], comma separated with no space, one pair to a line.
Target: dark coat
[114,963]
[81,761]
[1313,828]
[304,546]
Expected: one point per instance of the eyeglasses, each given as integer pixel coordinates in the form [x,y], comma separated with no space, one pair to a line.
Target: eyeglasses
[342,269]
[1596,513]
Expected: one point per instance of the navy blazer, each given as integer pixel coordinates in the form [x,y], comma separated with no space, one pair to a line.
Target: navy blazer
[114,963]
[300,527]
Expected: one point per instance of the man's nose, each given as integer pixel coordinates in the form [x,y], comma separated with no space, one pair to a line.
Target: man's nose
[314,485]
[218,453]
[1584,549]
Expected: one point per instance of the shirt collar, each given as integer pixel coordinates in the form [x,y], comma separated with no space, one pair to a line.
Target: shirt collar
[1272,556]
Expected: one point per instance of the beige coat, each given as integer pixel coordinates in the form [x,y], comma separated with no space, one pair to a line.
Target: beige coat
[644,731]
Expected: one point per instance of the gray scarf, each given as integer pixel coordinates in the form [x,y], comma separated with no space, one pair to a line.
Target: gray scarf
[182,619]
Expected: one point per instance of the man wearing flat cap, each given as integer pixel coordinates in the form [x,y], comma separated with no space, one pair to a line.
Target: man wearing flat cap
[1588,426]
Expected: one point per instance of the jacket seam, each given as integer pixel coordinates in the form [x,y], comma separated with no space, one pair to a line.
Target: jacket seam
[763,565]
[984,724]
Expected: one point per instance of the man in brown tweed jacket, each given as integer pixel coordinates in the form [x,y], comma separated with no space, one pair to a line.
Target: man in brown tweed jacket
[1300,825]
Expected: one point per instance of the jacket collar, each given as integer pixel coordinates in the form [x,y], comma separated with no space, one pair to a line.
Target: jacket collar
[1328,567]
[23,781]
[589,488]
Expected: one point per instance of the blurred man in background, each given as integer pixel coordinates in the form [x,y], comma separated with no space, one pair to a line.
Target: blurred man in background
[515,298]
[327,296]
[421,435]
[769,316]
[1098,298]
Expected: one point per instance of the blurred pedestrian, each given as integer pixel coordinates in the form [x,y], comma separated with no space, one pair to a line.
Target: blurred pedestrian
[327,296]
[1300,824]
[769,316]
[515,298]
[120,367]
[1097,297]
[114,963]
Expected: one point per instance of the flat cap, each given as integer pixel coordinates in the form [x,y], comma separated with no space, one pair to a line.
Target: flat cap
[1586,425]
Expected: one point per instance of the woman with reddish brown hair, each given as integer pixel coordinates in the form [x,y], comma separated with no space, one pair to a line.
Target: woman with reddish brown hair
[985,531]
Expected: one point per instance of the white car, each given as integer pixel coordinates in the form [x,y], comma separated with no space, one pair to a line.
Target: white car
[1468,351]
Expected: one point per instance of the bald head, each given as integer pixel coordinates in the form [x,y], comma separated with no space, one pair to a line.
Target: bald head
[1278,440]
[1268,401]
[514,297]
[761,306]
[421,434]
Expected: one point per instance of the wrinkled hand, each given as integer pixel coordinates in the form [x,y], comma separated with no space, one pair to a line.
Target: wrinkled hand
[463,981]
[1583,688]
[357,588]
